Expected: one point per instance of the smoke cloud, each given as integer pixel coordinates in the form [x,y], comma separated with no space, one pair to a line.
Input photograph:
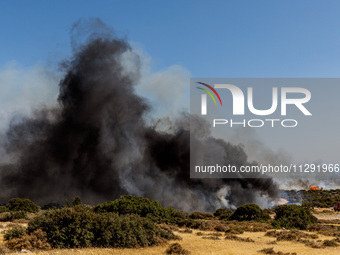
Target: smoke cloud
[96,143]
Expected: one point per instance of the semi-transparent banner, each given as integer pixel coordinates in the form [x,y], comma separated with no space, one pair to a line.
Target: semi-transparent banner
[260,128]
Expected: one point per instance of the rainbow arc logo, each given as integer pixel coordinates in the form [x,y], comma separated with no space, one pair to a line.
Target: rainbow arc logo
[209,93]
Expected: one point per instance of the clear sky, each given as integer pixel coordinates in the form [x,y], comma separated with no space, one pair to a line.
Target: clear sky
[262,38]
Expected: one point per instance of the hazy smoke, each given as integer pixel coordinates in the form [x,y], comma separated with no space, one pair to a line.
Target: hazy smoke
[96,144]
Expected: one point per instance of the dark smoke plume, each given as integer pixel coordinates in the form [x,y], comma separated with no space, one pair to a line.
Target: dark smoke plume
[96,144]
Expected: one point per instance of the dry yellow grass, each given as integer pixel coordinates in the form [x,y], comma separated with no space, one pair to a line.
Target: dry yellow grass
[196,245]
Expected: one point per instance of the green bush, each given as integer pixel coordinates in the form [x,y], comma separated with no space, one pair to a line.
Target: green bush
[36,240]
[223,214]
[143,207]
[81,227]
[249,212]
[14,232]
[176,248]
[16,216]
[200,215]
[293,216]
[21,204]
[51,206]
[3,209]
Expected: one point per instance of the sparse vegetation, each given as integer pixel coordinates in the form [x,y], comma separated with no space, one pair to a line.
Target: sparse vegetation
[79,226]
[330,243]
[201,215]
[271,251]
[250,226]
[235,231]
[290,235]
[237,238]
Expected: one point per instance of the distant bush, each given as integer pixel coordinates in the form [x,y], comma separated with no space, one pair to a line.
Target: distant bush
[220,228]
[200,215]
[293,216]
[36,240]
[15,216]
[81,227]
[330,243]
[223,214]
[21,204]
[143,207]
[51,206]
[249,212]
[179,214]
[176,248]
[235,230]
[229,236]
[15,232]
[195,224]
[3,209]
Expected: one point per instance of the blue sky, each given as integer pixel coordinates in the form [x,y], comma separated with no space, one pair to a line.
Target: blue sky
[209,38]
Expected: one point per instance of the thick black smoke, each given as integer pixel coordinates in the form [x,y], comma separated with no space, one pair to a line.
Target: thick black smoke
[96,144]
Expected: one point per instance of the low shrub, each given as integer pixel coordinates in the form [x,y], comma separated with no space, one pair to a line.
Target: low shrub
[15,216]
[143,207]
[3,209]
[271,251]
[35,240]
[330,243]
[14,232]
[176,248]
[293,216]
[211,237]
[79,226]
[237,238]
[290,235]
[235,231]
[249,212]
[223,214]
[220,228]
[250,226]
[187,231]
[327,230]
[200,215]
[51,206]
[21,204]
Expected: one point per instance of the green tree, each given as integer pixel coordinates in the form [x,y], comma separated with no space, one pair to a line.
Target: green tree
[21,204]
[249,212]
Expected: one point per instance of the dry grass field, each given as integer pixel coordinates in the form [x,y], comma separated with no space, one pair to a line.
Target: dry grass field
[197,244]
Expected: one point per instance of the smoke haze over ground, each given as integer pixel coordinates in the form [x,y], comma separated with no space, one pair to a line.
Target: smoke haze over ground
[96,144]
